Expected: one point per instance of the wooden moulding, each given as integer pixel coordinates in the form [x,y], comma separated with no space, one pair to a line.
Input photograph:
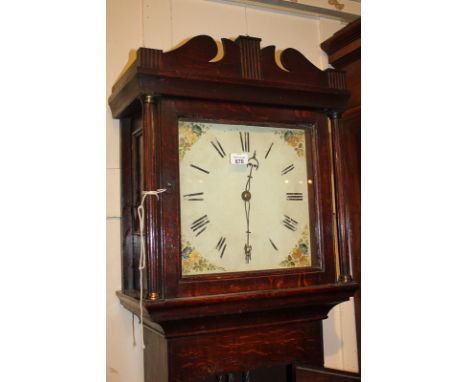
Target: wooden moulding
[236,303]
[245,73]
[345,45]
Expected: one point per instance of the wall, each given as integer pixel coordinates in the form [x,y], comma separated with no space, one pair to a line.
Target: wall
[163,24]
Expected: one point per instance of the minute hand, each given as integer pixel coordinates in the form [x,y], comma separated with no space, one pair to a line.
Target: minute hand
[253,163]
[246,195]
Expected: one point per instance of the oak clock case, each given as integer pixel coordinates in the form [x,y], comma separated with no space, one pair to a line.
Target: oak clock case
[240,248]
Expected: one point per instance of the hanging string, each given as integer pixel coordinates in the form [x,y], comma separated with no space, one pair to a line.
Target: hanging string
[143,26]
[142,262]
[133,329]
[246,23]
[172,25]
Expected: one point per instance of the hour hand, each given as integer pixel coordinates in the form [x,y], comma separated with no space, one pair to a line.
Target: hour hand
[253,161]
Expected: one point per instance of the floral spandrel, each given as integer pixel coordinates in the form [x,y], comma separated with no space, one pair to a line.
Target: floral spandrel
[299,256]
[295,139]
[189,133]
[193,262]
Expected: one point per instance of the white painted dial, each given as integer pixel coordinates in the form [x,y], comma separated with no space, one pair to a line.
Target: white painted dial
[246,216]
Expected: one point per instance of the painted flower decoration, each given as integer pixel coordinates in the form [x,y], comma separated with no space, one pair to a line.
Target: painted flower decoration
[193,262]
[295,139]
[189,133]
[299,255]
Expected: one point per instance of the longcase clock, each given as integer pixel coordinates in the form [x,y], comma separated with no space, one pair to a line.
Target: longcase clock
[241,259]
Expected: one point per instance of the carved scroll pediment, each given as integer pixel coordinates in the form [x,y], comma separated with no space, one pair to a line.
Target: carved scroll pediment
[202,56]
[298,69]
[229,70]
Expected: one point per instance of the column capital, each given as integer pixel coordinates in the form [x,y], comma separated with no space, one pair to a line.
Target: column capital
[334,114]
[147,98]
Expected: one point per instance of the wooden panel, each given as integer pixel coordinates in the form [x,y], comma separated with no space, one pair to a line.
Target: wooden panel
[245,349]
[126,160]
[155,356]
[352,166]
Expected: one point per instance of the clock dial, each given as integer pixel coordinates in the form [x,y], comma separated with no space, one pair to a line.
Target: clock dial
[244,198]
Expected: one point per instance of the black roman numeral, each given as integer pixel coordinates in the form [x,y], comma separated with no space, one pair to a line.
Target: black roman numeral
[197,196]
[199,169]
[218,148]
[268,152]
[199,225]
[221,246]
[245,143]
[290,223]
[273,244]
[294,196]
[287,169]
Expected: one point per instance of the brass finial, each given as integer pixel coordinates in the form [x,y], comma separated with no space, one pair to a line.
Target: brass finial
[153,296]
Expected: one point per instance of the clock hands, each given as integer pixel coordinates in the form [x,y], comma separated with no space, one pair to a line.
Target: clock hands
[246,195]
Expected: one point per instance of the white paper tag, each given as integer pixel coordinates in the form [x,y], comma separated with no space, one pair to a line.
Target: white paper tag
[239,158]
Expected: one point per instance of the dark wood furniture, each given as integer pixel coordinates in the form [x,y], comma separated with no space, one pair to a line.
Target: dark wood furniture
[307,374]
[227,326]
[344,51]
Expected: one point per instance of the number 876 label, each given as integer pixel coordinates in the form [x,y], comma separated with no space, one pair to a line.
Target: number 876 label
[239,158]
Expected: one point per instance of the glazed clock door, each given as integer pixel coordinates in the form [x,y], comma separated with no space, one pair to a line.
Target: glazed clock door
[244,198]
[252,196]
